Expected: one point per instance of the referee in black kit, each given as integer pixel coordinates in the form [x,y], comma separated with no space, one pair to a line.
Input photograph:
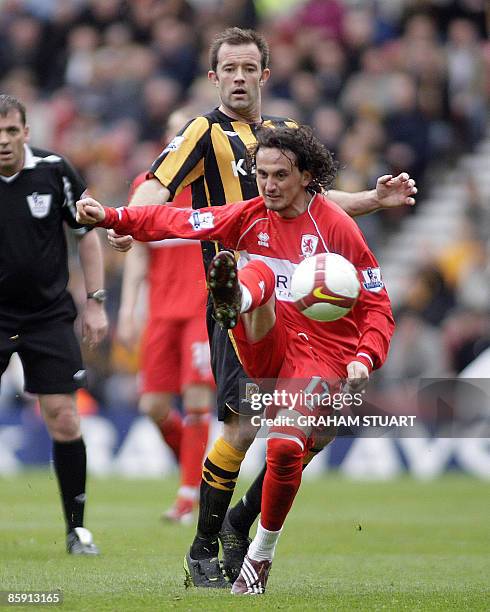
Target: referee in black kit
[38,190]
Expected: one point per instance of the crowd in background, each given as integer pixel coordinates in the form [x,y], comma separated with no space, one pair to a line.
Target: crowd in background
[388,85]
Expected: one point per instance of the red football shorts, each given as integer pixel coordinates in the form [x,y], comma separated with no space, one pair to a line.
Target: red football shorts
[283,353]
[174,355]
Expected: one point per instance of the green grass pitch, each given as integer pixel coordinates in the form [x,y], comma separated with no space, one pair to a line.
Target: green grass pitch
[400,545]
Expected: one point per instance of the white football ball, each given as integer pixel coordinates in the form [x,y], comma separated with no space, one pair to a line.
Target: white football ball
[325,287]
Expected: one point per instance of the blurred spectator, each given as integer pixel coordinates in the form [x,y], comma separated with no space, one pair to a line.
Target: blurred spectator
[20,41]
[284,63]
[407,131]
[100,14]
[175,46]
[430,295]
[160,98]
[329,125]
[371,88]
[241,13]
[465,80]
[417,350]
[358,34]
[466,335]
[305,93]
[325,15]
[328,61]
[475,11]
[82,46]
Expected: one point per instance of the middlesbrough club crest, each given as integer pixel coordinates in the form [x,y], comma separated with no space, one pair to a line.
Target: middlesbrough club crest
[308,244]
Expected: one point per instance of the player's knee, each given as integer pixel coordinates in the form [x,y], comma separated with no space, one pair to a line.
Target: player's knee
[60,416]
[284,454]
[239,435]
[156,405]
[197,398]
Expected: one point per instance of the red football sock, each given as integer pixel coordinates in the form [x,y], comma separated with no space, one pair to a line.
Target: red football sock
[193,446]
[281,482]
[260,280]
[171,430]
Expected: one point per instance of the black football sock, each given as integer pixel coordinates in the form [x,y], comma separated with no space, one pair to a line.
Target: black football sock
[70,464]
[243,514]
[213,505]
[219,476]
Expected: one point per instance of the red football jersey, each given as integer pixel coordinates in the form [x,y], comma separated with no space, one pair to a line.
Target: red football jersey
[176,279]
[258,233]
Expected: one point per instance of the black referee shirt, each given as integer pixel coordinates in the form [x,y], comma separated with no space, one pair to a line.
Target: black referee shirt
[33,254]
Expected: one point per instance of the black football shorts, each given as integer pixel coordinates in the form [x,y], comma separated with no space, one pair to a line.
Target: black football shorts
[227,370]
[48,349]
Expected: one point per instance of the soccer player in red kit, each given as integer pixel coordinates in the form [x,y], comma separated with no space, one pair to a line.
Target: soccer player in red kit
[174,352]
[273,338]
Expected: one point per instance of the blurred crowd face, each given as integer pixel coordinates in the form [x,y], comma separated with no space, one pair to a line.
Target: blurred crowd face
[13,135]
[238,78]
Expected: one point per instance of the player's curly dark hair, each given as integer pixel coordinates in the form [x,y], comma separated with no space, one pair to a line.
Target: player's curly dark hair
[310,153]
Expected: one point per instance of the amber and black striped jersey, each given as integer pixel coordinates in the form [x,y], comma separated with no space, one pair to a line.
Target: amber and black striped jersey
[209,154]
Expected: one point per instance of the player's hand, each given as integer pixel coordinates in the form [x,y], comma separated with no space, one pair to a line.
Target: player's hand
[89,211]
[395,191]
[121,243]
[127,332]
[357,376]
[94,323]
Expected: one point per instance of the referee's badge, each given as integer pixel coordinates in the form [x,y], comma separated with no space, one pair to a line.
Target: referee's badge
[39,203]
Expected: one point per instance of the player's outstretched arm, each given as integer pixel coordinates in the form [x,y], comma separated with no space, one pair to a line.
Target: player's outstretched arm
[149,192]
[89,211]
[391,192]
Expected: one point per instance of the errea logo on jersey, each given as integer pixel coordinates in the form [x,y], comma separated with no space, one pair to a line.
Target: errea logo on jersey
[174,144]
[263,239]
[40,204]
[201,220]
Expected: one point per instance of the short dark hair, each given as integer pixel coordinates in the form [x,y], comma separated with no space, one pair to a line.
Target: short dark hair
[311,154]
[238,36]
[8,103]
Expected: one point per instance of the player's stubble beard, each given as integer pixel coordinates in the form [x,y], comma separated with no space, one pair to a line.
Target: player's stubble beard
[248,108]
